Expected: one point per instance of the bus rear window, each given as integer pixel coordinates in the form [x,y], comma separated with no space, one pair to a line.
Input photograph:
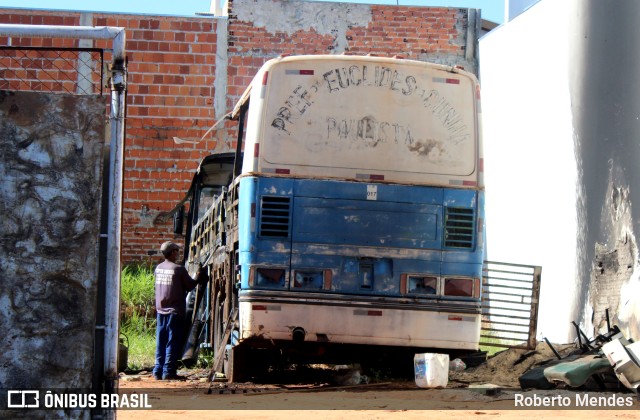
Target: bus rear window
[351,114]
[206,199]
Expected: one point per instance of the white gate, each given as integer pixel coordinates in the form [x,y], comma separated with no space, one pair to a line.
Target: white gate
[510,305]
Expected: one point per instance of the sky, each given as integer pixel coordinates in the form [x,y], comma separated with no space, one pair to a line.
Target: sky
[492,10]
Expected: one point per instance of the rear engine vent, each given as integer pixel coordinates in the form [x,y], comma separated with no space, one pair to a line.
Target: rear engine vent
[274,216]
[458,227]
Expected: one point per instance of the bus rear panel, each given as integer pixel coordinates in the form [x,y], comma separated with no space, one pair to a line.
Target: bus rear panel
[323,261]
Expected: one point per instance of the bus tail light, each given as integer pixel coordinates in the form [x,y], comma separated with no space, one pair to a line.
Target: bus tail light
[308,279]
[267,277]
[312,279]
[328,277]
[476,288]
[422,285]
[460,287]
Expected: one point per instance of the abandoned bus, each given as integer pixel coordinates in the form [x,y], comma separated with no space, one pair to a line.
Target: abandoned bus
[354,216]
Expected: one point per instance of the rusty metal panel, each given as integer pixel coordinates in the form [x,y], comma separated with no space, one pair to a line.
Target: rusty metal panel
[510,305]
[51,149]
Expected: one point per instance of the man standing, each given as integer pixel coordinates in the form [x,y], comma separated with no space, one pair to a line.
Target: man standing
[172,283]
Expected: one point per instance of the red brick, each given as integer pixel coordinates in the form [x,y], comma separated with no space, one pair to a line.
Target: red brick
[171,77]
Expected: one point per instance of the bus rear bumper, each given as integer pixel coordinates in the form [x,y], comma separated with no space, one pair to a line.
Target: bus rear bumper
[349,323]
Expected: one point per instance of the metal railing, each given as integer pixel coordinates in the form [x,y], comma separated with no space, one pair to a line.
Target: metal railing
[77,71]
[510,305]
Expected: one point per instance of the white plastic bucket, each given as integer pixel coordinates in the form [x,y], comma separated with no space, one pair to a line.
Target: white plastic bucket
[431,370]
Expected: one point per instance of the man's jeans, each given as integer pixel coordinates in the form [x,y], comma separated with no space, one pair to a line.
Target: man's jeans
[168,344]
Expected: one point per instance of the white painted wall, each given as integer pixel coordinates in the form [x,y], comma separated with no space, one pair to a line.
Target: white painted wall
[530,169]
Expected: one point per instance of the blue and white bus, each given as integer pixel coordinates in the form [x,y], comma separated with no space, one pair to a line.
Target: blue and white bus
[353,219]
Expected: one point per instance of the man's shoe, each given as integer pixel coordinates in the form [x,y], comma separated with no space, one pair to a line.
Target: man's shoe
[173,377]
[157,377]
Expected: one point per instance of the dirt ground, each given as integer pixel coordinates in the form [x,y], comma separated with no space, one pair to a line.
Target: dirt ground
[490,389]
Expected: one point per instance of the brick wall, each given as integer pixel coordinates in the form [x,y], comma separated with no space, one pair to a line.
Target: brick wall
[172,88]
[170,93]
[263,29]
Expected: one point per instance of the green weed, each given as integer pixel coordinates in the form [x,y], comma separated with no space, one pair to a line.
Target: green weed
[205,359]
[137,292]
[142,350]
[491,350]
[137,317]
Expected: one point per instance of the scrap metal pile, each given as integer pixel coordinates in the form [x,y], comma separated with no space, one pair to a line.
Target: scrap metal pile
[608,362]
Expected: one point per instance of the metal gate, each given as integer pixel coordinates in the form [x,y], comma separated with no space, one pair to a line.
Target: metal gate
[78,71]
[510,305]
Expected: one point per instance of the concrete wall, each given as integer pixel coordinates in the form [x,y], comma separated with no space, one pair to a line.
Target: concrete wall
[606,109]
[185,73]
[560,107]
[51,168]
[530,168]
